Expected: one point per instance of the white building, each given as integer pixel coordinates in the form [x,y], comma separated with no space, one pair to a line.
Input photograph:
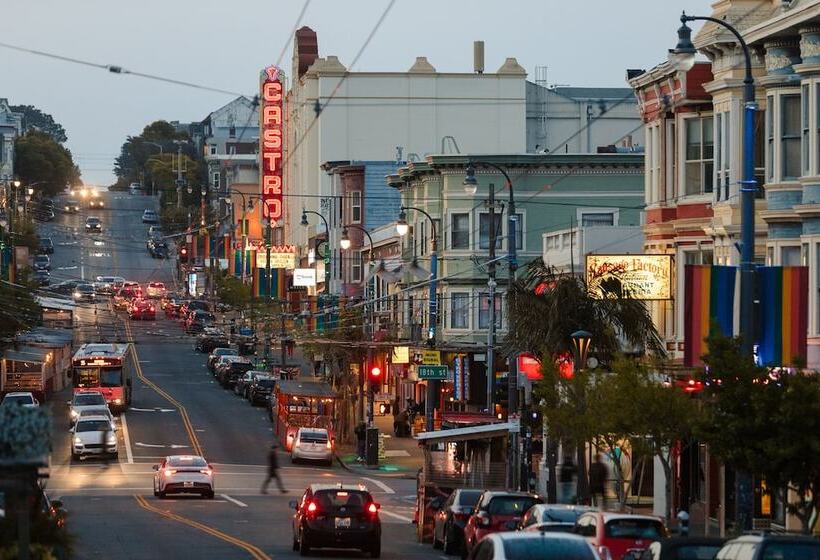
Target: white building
[336,115]
[566,249]
[11,125]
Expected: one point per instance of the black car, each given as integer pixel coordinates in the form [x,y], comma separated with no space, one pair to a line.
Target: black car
[337,516]
[72,206]
[46,246]
[93,224]
[765,546]
[210,340]
[41,262]
[157,248]
[42,277]
[67,287]
[261,389]
[217,353]
[448,524]
[230,372]
[199,321]
[683,548]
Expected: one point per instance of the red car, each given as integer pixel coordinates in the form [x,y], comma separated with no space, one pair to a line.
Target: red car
[142,309]
[496,512]
[615,534]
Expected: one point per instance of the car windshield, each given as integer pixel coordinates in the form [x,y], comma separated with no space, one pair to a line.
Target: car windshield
[351,500]
[224,352]
[156,285]
[634,529]
[18,399]
[41,258]
[88,399]
[265,383]
[85,288]
[791,551]
[540,548]
[510,505]
[468,497]
[96,411]
[559,515]
[697,551]
[313,437]
[187,462]
[93,426]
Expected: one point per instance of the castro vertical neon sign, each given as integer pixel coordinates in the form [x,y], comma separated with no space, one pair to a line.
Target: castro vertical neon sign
[271,118]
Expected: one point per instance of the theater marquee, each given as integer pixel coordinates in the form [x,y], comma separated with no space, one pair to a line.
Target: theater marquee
[645,277]
[271,117]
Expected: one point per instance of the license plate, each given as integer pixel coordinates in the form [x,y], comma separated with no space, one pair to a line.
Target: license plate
[187,484]
[342,522]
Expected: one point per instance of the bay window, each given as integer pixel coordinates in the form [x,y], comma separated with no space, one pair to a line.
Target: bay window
[699,154]
[459,310]
[790,136]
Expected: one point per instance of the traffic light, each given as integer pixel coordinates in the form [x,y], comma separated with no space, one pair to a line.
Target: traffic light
[375,374]
[183,254]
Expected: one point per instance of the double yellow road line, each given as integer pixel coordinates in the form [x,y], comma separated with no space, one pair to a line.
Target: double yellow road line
[254,552]
[186,421]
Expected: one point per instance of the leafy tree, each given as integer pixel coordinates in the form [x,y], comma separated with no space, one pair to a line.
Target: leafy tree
[232,291]
[18,309]
[764,422]
[141,159]
[42,162]
[35,119]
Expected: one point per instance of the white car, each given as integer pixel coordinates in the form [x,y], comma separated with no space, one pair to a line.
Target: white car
[93,435]
[149,217]
[530,544]
[21,398]
[312,444]
[155,290]
[99,411]
[83,401]
[184,474]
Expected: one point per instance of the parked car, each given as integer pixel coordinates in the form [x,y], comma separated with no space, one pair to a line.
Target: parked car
[42,277]
[217,353]
[72,206]
[85,292]
[189,306]
[46,246]
[683,548]
[20,398]
[495,512]
[93,225]
[552,518]
[617,535]
[261,389]
[184,474]
[155,290]
[229,371]
[142,309]
[770,546]
[514,546]
[93,435]
[337,516]
[149,217]
[448,524]
[211,338]
[157,248]
[244,381]
[41,262]
[198,320]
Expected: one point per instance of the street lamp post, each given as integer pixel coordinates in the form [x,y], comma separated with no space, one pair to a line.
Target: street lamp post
[515,480]
[682,58]
[581,341]
[432,385]
[326,256]
[344,242]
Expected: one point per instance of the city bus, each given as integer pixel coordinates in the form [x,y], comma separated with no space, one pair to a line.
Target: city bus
[107,368]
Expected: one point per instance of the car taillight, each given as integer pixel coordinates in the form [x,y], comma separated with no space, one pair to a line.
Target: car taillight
[151,308]
[312,507]
[206,471]
[296,443]
[329,446]
[169,472]
[373,508]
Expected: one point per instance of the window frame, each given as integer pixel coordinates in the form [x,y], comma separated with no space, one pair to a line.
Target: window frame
[216,178]
[791,137]
[466,298]
[580,212]
[702,162]
[484,244]
[483,310]
[452,216]
[355,206]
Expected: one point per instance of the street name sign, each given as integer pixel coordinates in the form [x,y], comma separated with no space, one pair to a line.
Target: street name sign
[432,372]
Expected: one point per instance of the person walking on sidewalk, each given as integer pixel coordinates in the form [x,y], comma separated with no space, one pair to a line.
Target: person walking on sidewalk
[273,471]
[361,439]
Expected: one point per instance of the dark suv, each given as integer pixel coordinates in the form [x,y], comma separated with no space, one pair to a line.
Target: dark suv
[765,546]
[228,373]
[337,516]
[261,389]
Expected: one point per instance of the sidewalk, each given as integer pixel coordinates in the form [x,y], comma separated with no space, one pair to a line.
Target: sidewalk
[403,457]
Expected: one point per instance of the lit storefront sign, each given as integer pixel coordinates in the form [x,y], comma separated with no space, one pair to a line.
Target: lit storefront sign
[401,355]
[305,277]
[271,120]
[646,277]
[280,257]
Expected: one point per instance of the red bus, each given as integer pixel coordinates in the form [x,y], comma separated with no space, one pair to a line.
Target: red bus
[107,368]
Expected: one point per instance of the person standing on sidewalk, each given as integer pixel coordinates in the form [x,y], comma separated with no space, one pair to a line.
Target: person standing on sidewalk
[597,482]
[361,440]
[273,471]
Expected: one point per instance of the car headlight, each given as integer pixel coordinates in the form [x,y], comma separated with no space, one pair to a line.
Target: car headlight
[78,440]
[74,414]
[111,439]
[117,401]
[66,208]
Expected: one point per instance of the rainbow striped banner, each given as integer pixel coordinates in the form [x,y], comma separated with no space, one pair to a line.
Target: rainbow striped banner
[709,297]
[784,314]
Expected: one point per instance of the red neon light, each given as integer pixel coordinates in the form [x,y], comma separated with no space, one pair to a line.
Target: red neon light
[272,119]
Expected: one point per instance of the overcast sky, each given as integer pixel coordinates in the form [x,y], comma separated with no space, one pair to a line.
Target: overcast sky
[225,44]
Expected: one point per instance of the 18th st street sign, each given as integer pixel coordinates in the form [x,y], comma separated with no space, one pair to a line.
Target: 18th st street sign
[432,372]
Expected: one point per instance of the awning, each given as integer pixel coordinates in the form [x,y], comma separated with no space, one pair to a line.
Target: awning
[306,389]
[483,431]
[55,303]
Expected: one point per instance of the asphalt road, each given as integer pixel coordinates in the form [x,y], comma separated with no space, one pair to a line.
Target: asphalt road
[178,408]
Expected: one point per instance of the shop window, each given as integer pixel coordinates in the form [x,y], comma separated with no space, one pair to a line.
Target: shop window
[790,136]
[699,166]
[459,310]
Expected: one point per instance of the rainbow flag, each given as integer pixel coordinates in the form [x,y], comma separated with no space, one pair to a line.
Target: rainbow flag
[709,297]
[784,314]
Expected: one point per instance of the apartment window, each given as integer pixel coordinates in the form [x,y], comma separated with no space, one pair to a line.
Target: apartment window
[356,267]
[804,127]
[356,207]
[212,149]
[671,162]
[718,152]
[790,136]
[770,138]
[232,150]
[699,164]
[790,256]
[723,155]
[459,310]
[215,179]
[459,231]
[232,131]
[597,219]
[519,231]
[484,234]
[484,310]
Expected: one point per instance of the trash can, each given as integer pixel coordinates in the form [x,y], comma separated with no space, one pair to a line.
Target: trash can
[372,447]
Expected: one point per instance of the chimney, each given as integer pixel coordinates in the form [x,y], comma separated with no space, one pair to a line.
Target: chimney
[478,57]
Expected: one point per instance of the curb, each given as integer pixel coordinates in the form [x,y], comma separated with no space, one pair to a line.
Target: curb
[374,472]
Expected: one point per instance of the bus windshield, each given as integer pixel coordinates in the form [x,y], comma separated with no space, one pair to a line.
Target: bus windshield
[99,377]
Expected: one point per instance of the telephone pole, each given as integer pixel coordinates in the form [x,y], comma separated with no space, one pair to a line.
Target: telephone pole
[180,182]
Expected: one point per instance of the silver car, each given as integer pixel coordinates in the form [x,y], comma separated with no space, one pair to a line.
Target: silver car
[83,401]
[312,444]
[184,474]
[93,435]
